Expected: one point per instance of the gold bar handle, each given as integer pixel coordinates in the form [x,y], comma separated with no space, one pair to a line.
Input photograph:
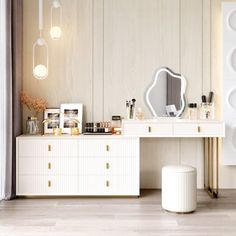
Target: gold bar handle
[199,129]
[107,183]
[49,148]
[49,183]
[149,129]
[107,166]
[49,166]
[107,148]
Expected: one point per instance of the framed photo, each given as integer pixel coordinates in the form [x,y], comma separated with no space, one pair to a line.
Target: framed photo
[53,117]
[71,117]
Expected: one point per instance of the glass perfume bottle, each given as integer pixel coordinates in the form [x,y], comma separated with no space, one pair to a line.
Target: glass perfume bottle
[192,111]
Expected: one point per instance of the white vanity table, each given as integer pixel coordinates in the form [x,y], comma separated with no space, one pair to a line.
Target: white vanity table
[210,131]
[105,165]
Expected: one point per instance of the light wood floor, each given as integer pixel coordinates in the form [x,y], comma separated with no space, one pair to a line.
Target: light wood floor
[117,216]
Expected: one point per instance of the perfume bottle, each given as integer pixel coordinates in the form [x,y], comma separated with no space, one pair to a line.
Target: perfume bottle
[192,111]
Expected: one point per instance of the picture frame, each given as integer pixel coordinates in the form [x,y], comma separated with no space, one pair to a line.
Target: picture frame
[53,114]
[70,113]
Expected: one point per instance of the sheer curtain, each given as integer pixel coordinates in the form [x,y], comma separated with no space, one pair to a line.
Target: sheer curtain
[2,97]
[10,87]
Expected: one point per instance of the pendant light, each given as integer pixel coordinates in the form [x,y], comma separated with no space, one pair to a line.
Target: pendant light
[40,50]
[56,19]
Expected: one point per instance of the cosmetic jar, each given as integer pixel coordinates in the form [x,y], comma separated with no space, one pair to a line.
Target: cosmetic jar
[116,124]
[207,111]
[139,114]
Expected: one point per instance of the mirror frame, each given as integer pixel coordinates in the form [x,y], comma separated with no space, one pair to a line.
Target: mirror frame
[182,92]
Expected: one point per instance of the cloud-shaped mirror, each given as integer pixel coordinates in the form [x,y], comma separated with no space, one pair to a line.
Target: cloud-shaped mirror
[165,95]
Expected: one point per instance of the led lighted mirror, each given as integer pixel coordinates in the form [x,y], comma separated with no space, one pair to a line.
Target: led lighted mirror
[165,96]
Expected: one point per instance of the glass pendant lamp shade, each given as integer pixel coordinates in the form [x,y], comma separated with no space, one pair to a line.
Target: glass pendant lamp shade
[56,18]
[40,68]
[55,32]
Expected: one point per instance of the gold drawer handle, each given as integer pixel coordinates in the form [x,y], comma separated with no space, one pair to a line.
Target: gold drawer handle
[49,183]
[49,148]
[107,183]
[149,129]
[49,166]
[107,166]
[107,148]
[199,129]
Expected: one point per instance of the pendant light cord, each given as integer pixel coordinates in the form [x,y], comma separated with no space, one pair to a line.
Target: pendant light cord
[40,17]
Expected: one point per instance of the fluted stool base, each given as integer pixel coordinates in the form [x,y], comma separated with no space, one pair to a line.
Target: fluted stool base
[179,189]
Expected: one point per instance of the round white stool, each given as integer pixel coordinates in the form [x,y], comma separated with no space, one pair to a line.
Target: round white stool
[179,189]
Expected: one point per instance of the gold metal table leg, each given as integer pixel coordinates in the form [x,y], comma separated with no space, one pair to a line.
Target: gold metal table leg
[211,166]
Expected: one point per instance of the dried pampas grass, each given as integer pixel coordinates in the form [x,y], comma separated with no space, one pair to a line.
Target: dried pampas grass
[36,104]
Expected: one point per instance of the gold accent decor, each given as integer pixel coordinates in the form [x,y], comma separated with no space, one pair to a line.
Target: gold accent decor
[49,166]
[75,131]
[107,166]
[49,148]
[107,148]
[57,131]
[107,183]
[49,183]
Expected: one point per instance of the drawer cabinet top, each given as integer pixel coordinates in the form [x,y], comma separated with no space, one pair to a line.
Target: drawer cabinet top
[74,137]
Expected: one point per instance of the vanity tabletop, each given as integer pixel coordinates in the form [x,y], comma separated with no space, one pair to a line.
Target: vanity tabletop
[172,120]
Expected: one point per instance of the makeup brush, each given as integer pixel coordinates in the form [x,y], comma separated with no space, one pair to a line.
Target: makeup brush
[211,96]
[203,98]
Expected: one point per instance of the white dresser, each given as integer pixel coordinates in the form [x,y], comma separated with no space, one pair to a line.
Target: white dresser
[77,165]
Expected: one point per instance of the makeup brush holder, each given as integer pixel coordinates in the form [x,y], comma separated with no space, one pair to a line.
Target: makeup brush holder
[207,111]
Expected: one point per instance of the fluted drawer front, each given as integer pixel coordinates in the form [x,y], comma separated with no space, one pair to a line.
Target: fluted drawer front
[108,166]
[110,147]
[47,147]
[103,185]
[48,166]
[47,185]
[122,166]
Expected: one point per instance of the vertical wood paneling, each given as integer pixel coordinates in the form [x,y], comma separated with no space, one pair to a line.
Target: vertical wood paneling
[98,60]
[138,38]
[191,47]
[192,69]
[206,46]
